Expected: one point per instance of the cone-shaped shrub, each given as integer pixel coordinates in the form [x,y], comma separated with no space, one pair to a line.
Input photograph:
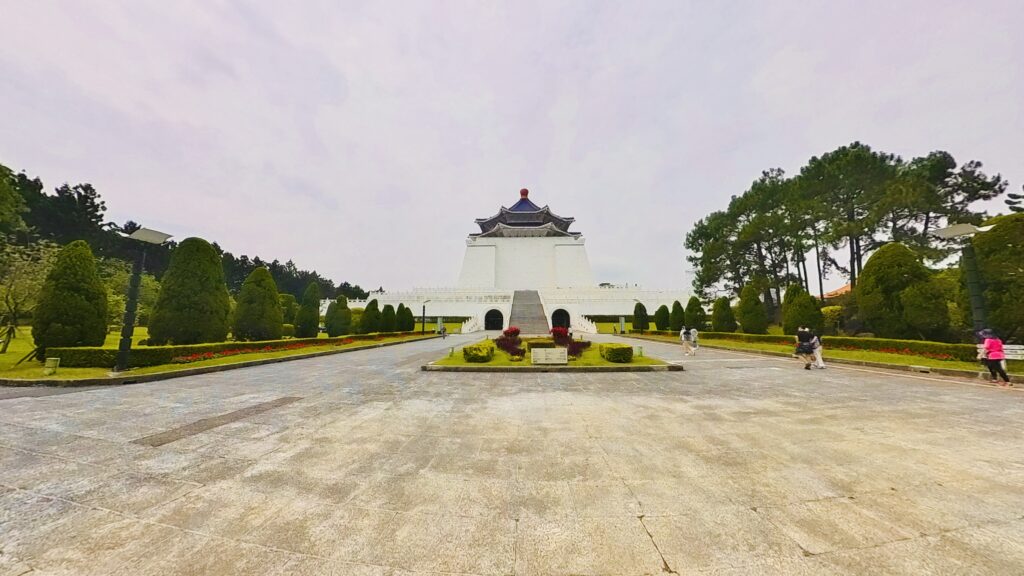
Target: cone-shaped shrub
[338,319]
[400,318]
[331,320]
[640,321]
[790,320]
[661,317]
[258,313]
[695,315]
[752,315]
[193,306]
[72,307]
[370,322]
[888,272]
[289,306]
[677,319]
[802,310]
[722,318]
[408,320]
[388,321]
[307,319]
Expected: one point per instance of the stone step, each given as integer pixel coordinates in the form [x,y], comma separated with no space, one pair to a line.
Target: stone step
[528,313]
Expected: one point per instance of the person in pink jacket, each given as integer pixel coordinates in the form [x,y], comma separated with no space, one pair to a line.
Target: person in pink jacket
[993,356]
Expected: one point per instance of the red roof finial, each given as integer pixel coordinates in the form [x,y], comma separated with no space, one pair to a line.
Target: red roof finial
[524,193]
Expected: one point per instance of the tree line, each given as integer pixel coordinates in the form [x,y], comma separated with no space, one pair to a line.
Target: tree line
[849,201]
[31,217]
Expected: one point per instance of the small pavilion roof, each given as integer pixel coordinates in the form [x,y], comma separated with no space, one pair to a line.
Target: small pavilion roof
[524,214]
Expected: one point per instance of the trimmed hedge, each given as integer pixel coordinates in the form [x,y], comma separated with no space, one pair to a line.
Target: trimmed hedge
[617,353]
[479,353]
[937,350]
[288,330]
[657,332]
[539,343]
[92,357]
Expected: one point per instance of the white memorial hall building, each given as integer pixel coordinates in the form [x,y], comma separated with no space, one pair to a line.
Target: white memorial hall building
[526,268]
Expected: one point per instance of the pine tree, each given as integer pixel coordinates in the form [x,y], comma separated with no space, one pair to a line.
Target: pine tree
[753,317]
[677,319]
[388,320]
[307,319]
[257,314]
[722,318]
[661,317]
[695,316]
[370,321]
[640,321]
[72,306]
[193,306]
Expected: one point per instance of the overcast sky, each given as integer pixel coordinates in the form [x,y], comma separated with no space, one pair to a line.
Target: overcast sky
[362,139]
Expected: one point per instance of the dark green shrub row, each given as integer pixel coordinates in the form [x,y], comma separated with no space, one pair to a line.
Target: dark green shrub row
[90,357]
[479,353]
[656,332]
[539,343]
[938,350]
[288,330]
[618,353]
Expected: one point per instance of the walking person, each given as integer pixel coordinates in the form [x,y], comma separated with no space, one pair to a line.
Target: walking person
[693,341]
[816,341]
[992,355]
[444,332]
[684,335]
[804,346]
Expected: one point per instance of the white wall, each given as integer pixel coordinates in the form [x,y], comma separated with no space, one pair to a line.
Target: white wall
[525,263]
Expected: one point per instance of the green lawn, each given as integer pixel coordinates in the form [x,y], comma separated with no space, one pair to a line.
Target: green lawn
[453,327]
[1015,367]
[590,357]
[31,369]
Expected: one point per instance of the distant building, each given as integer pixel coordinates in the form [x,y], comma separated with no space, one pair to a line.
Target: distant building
[526,268]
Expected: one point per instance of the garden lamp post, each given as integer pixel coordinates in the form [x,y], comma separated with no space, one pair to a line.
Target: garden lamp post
[970,264]
[146,236]
[423,319]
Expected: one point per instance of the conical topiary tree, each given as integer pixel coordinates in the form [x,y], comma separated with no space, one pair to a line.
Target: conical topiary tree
[370,321]
[400,318]
[338,319]
[802,310]
[408,320]
[193,305]
[695,315]
[752,315]
[790,320]
[307,319]
[289,306]
[258,313]
[661,317]
[640,321]
[72,306]
[677,319]
[722,318]
[887,273]
[388,320]
[331,320]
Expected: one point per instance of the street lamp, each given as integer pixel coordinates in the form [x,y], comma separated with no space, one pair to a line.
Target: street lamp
[970,263]
[423,319]
[146,236]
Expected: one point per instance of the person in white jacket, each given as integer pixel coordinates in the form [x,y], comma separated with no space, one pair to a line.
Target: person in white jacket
[818,362]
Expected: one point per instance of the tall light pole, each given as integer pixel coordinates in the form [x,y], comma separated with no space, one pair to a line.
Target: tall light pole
[970,263]
[423,319]
[146,236]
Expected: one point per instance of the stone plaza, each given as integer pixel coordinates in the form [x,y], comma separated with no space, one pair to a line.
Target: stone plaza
[362,464]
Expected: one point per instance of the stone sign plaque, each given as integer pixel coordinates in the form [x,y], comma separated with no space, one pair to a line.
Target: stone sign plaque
[549,356]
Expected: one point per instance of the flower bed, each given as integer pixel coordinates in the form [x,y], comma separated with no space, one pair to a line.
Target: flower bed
[199,356]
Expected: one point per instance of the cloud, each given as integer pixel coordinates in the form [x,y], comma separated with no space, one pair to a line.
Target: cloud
[363,140]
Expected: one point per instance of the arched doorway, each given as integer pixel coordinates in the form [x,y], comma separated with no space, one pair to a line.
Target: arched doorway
[560,319]
[494,320]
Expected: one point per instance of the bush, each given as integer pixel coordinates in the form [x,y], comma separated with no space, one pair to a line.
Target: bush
[307,319]
[388,320]
[538,343]
[802,310]
[370,321]
[617,353]
[695,315]
[560,335]
[94,357]
[662,317]
[511,332]
[510,343]
[889,271]
[677,319]
[831,317]
[752,315]
[258,309]
[936,350]
[288,330]
[409,320]
[722,319]
[402,316]
[1000,252]
[193,305]
[640,317]
[72,307]
[925,310]
[289,306]
[575,348]
[338,319]
[479,353]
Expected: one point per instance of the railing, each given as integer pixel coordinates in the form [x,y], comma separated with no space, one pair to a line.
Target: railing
[471,325]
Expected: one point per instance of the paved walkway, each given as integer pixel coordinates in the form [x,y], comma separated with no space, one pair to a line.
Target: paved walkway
[360,464]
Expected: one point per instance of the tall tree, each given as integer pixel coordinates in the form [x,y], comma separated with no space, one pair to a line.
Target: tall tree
[193,306]
[640,320]
[72,309]
[307,319]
